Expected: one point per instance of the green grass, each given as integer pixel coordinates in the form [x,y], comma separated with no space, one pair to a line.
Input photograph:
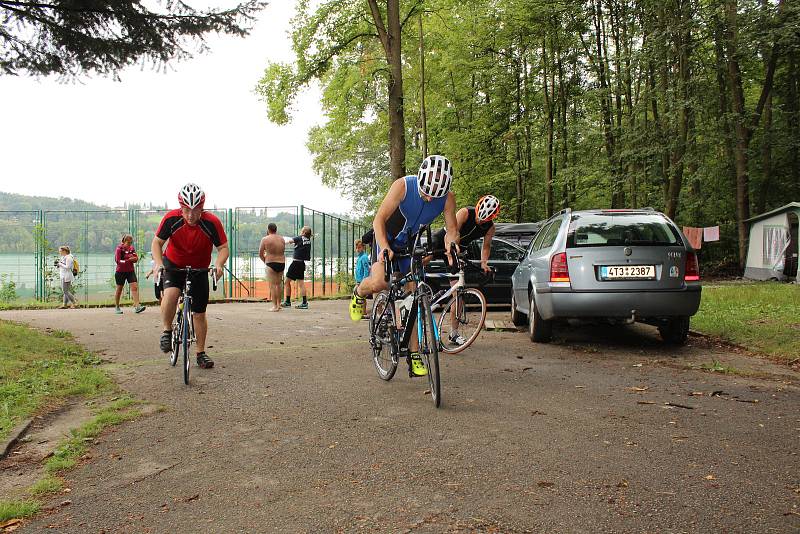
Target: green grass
[68,452]
[49,484]
[37,369]
[15,509]
[718,367]
[763,317]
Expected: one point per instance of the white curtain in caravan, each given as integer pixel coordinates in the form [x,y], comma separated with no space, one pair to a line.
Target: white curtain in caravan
[776,240]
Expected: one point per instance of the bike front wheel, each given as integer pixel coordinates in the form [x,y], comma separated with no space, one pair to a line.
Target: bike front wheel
[429,348]
[461,320]
[176,339]
[382,336]
[185,341]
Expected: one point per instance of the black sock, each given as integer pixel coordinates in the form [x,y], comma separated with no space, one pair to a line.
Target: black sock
[304,300]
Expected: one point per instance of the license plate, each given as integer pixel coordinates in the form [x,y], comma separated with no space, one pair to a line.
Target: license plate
[628,272]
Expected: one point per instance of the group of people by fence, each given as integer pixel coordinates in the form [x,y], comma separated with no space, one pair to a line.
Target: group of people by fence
[272,252]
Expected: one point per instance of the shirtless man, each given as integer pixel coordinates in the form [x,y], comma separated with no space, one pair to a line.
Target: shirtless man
[271,252]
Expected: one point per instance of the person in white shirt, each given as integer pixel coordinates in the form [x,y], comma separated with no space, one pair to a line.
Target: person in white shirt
[65,264]
[158,284]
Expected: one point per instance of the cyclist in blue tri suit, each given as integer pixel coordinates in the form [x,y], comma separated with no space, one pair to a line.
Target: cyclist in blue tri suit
[412,202]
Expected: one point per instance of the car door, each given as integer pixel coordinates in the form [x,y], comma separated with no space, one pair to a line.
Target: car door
[524,272]
[503,258]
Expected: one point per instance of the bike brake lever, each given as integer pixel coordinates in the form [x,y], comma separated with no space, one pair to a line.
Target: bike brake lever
[386,274]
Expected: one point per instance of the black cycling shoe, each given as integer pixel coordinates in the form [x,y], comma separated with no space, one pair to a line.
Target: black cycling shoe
[166,341]
[203,361]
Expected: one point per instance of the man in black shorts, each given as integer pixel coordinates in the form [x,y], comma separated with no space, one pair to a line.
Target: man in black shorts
[297,269]
[190,235]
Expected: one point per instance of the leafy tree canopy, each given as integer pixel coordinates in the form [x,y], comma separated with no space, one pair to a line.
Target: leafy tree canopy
[72,37]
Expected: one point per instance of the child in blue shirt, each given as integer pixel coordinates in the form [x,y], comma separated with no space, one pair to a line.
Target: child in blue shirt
[362,267]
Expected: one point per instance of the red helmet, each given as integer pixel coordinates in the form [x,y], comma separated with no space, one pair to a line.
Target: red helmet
[191,196]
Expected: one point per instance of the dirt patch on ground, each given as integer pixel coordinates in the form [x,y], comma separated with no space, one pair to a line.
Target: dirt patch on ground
[24,465]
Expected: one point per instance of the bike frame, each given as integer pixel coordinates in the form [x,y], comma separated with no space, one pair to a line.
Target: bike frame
[441,300]
[396,290]
[185,308]
[185,299]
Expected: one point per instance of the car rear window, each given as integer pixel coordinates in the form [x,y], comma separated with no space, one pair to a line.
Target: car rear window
[601,230]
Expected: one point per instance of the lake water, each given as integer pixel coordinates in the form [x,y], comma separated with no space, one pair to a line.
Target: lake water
[96,281]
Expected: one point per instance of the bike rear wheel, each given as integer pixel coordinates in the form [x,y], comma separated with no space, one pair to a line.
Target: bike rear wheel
[187,362]
[467,309]
[429,347]
[382,336]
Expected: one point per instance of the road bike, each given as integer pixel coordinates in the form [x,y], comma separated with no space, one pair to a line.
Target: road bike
[183,334]
[389,338]
[463,309]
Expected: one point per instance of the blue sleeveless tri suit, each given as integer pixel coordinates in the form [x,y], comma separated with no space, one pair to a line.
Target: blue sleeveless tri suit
[412,213]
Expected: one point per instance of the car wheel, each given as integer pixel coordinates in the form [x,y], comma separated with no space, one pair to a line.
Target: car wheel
[675,330]
[540,330]
[517,317]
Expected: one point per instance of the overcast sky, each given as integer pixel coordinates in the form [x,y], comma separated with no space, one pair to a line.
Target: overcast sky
[140,139]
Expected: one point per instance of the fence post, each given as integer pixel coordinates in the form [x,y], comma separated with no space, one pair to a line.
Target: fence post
[231,250]
[44,256]
[86,252]
[37,291]
[324,279]
[313,256]
[302,216]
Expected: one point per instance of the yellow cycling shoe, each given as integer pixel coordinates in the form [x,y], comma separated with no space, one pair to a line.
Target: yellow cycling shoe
[357,305]
[417,367]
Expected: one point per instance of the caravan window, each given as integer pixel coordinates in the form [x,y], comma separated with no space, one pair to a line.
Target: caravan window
[776,239]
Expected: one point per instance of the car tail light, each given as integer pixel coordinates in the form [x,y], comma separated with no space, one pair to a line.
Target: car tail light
[692,268]
[559,272]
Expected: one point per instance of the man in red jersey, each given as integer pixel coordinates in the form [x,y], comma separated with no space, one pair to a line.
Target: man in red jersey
[190,234]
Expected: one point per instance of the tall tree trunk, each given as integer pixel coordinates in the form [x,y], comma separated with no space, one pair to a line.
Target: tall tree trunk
[744,125]
[766,159]
[724,104]
[548,104]
[526,95]
[608,122]
[518,143]
[662,169]
[390,35]
[684,40]
[562,124]
[422,114]
[793,120]
[618,200]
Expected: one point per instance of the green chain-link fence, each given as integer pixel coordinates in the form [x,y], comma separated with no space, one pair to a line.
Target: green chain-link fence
[29,242]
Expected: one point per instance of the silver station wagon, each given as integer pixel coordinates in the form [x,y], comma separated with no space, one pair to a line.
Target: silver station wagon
[615,265]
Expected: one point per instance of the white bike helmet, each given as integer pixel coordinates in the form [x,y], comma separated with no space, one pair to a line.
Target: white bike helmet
[191,196]
[434,177]
[487,208]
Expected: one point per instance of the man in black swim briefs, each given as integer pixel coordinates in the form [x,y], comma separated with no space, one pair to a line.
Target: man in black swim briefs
[272,253]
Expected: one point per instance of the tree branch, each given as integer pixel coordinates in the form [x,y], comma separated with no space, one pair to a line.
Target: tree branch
[378,20]
[411,13]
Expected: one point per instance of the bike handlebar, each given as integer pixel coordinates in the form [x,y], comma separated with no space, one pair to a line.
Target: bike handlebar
[188,270]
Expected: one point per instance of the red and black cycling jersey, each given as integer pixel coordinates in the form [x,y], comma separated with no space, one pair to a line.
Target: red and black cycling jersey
[191,245]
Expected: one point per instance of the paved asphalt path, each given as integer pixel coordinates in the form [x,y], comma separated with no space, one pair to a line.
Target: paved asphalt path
[293,431]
